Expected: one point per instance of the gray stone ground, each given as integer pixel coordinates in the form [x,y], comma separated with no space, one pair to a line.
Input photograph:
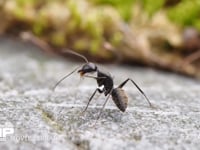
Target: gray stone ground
[43,119]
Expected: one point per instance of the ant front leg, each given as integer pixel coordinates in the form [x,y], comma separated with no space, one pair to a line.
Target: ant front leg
[104,105]
[123,83]
[97,89]
[96,78]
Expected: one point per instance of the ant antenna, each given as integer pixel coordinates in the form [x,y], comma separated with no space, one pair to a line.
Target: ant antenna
[76,54]
[64,78]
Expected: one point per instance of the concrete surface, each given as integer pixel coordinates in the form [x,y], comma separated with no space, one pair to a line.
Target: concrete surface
[38,118]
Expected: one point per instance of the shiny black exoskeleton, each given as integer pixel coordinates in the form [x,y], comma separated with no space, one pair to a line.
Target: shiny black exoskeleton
[105,84]
[105,80]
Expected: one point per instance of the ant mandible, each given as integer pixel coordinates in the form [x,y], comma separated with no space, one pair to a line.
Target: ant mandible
[118,94]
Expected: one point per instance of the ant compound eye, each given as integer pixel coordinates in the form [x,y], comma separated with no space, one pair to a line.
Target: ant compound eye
[88,68]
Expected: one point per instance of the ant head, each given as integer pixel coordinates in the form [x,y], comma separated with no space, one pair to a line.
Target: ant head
[88,68]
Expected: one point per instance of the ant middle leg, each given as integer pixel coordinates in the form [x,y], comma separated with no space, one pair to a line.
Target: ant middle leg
[123,83]
[97,89]
[103,106]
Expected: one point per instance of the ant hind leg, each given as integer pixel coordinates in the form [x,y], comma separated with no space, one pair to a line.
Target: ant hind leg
[123,83]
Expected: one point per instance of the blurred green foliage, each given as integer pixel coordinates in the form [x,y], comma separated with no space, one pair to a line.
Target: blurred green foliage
[123,6]
[152,6]
[185,13]
[101,28]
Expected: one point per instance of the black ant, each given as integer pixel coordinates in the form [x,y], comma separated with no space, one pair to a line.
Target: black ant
[106,81]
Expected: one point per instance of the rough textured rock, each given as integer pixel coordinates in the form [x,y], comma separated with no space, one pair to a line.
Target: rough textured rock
[43,119]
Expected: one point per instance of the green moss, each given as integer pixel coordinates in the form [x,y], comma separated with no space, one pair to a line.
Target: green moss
[186,12]
[19,13]
[58,39]
[75,14]
[39,25]
[124,7]
[81,44]
[197,24]
[117,38]
[22,3]
[152,6]
[95,46]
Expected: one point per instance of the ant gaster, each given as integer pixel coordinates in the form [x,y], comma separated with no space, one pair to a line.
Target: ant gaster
[118,94]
